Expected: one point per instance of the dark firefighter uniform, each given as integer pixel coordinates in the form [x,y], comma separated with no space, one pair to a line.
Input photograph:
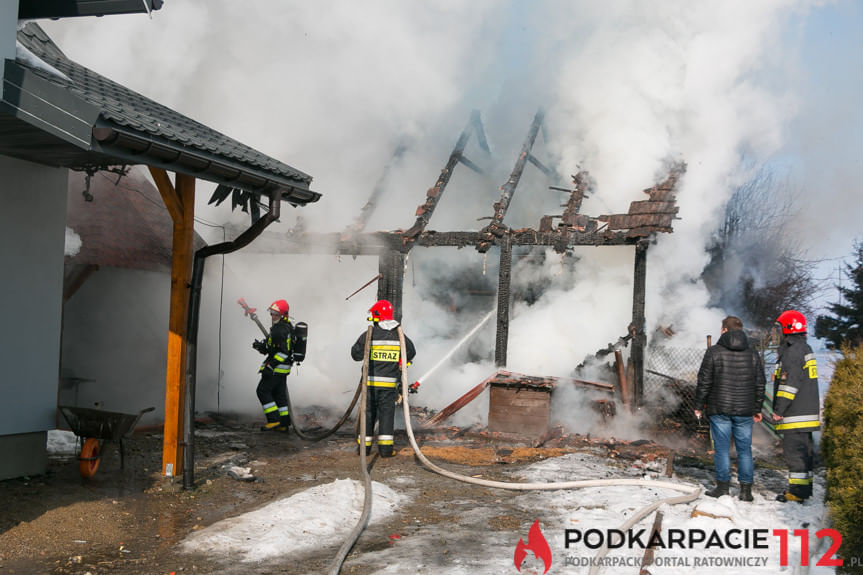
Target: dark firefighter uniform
[383,381]
[273,388]
[795,398]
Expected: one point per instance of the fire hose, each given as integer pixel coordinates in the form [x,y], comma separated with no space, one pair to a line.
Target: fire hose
[336,565]
[690,492]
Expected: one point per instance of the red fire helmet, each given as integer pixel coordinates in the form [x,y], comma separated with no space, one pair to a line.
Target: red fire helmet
[381,311]
[280,307]
[792,322]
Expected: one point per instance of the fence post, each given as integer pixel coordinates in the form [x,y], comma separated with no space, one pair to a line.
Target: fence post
[638,341]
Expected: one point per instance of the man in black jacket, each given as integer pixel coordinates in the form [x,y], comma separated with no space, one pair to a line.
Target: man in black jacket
[731,384]
[796,404]
[384,375]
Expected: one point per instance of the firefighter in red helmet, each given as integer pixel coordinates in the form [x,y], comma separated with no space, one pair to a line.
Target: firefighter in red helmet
[384,375]
[796,404]
[273,387]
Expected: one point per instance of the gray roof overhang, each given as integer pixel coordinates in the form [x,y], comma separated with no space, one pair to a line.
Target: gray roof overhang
[53,121]
[133,147]
[35,9]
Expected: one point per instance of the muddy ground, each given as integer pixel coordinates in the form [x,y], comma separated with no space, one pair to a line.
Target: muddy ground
[130,520]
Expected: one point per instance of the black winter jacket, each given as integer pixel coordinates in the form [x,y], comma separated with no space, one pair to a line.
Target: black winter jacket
[731,380]
[795,386]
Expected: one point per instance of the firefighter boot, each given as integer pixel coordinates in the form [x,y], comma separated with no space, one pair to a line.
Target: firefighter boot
[284,422]
[272,422]
[745,492]
[788,496]
[720,489]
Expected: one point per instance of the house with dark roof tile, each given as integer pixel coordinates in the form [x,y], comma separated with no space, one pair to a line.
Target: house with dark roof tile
[66,130]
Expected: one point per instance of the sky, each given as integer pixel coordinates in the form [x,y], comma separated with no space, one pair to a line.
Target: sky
[332,88]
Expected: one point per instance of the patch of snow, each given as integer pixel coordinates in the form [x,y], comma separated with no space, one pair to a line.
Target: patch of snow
[241,473]
[73,243]
[62,442]
[29,58]
[326,514]
[323,515]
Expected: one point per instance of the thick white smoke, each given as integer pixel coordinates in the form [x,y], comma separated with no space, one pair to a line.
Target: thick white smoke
[331,88]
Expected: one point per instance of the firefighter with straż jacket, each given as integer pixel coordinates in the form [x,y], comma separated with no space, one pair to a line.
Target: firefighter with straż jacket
[384,375]
[796,404]
[273,387]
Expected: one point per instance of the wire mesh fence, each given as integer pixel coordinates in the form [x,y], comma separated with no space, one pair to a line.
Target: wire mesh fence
[670,379]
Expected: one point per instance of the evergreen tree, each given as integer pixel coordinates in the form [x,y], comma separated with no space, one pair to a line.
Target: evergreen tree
[844,326]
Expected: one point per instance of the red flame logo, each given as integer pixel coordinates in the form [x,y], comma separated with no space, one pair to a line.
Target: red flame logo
[537,544]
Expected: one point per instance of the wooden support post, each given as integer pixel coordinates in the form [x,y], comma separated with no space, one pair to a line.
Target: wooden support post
[625,393]
[391,265]
[503,297]
[180,202]
[639,339]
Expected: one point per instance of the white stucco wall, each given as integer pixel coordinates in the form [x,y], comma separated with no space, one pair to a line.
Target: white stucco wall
[8,28]
[115,339]
[32,236]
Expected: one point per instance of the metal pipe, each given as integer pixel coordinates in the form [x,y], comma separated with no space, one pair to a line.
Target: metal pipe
[201,255]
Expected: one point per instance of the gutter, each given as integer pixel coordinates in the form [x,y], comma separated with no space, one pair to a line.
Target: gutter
[137,148]
[201,255]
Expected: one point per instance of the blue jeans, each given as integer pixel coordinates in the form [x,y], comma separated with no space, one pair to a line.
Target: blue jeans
[722,427]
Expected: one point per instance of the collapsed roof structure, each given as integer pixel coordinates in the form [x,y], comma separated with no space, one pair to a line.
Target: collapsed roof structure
[571,228]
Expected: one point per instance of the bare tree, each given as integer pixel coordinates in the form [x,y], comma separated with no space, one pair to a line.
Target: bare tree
[757,267]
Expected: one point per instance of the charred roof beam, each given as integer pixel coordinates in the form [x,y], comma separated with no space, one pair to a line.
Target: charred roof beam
[496,228]
[371,205]
[433,195]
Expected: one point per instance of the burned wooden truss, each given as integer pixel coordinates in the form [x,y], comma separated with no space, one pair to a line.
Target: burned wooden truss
[559,232]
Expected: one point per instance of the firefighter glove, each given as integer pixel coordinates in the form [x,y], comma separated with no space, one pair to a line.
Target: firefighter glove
[260,346]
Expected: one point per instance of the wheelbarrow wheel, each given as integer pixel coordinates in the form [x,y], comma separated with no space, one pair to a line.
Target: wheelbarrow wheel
[89,457]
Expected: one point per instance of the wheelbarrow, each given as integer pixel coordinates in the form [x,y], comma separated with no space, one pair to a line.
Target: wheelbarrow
[94,427]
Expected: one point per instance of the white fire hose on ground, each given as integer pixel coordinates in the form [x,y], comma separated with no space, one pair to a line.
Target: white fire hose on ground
[336,565]
[690,492]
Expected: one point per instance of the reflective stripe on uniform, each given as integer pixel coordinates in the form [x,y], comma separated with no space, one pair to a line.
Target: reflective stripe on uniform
[387,344]
[810,365]
[385,439]
[280,357]
[786,391]
[371,383]
[368,441]
[800,418]
[798,422]
[380,381]
[283,410]
[803,478]
[270,407]
[282,368]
